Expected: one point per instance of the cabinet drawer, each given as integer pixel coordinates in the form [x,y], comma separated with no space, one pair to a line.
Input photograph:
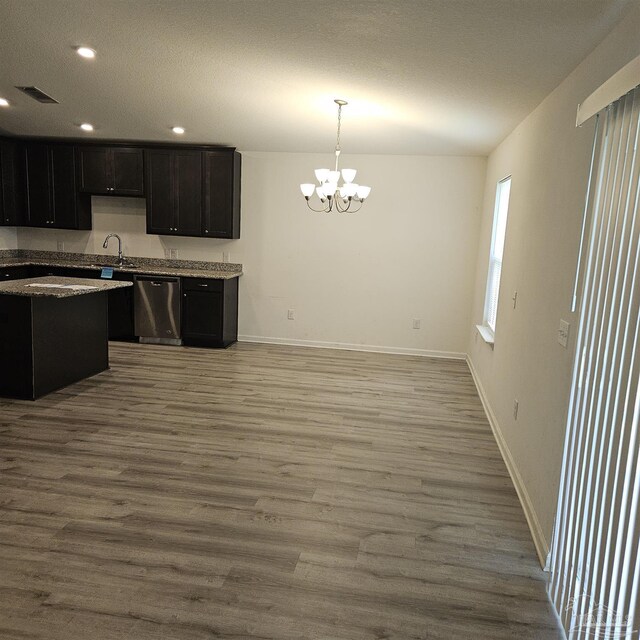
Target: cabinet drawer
[202,284]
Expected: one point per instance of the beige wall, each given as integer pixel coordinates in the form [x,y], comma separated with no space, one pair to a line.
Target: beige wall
[548,159]
[353,280]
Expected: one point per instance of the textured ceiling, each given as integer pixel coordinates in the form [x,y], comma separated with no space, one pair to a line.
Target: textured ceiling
[422,76]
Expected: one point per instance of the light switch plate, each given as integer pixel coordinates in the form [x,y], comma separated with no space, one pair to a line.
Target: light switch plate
[563,333]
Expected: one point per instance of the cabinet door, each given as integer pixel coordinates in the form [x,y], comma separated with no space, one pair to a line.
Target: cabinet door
[38,206]
[121,314]
[63,188]
[221,218]
[159,191]
[188,192]
[126,168]
[94,170]
[202,316]
[11,184]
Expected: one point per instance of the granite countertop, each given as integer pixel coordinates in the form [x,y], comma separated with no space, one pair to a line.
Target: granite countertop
[54,287]
[143,266]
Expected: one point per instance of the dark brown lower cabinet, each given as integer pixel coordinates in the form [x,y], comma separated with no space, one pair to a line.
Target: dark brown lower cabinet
[209,312]
[209,307]
[47,343]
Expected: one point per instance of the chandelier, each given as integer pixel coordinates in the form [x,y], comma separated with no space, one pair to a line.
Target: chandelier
[332,195]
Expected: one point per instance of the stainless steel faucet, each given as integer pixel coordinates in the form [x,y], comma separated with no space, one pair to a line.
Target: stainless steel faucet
[105,244]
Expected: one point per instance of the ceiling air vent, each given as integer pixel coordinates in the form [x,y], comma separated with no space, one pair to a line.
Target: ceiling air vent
[36,94]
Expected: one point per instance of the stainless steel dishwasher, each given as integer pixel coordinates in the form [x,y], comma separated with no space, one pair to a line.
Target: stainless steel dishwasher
[157,309]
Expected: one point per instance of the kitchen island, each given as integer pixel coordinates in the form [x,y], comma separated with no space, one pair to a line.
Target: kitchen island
[53,332]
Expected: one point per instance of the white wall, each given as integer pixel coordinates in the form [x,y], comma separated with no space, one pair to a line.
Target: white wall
[549,160]
[354,280]
[8,239]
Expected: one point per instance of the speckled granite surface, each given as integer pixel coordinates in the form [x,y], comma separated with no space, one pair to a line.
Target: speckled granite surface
[54,287]
[149,266]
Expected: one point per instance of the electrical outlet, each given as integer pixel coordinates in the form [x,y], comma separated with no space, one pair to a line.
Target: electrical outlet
[291,314]
[416,323]
[60,245]
[225,256]
[173,254]
[515,409]
[563,333]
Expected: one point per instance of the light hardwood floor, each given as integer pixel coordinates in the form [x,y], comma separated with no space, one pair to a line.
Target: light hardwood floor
[262,492]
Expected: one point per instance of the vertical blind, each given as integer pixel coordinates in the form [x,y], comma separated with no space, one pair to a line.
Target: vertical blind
[594,562]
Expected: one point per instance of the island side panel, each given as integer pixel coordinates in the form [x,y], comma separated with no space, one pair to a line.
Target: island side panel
[16,348]
[70,340]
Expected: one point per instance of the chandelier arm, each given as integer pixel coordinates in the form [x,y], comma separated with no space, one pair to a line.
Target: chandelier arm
[317,210]
[342,208]
[355,210]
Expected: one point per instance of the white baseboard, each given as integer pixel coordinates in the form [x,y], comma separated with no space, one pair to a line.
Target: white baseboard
[457,355]
[539,540]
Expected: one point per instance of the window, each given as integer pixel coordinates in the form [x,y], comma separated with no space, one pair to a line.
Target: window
[497,249]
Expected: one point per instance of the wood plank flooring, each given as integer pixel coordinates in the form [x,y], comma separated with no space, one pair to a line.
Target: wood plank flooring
[262,492]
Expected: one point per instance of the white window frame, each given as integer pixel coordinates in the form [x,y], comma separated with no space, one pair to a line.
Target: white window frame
[501,209]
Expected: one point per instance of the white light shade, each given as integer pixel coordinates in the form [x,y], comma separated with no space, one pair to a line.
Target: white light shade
[329,188]
[334,176]
[4,102]
[350,189]
[86,52]
[363,192]
[320,192]
[349,175]
[85,126]
[307,189]
[321,175]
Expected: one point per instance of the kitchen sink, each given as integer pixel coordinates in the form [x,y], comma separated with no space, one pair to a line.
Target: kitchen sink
[112,266]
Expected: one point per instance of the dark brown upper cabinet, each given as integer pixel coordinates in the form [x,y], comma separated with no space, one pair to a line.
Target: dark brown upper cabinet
[52,197]
[221,212]
[12,184]
[174,191]
[193,192]
[111,171]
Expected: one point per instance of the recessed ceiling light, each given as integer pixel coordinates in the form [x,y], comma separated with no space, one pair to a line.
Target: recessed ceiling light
[86,52]
[85,126]
[4,102]
[178,130]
